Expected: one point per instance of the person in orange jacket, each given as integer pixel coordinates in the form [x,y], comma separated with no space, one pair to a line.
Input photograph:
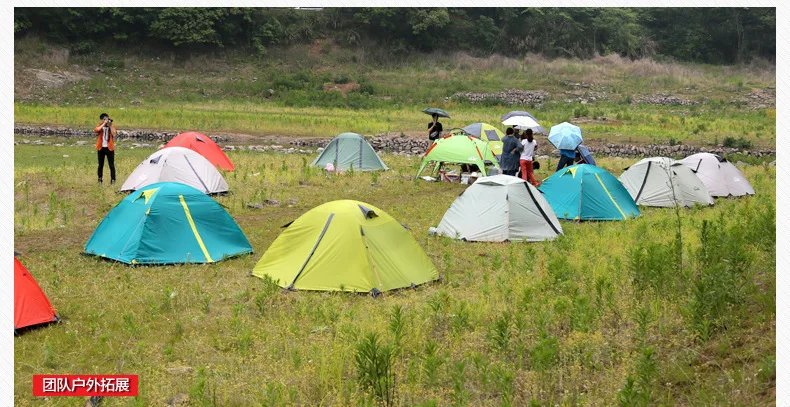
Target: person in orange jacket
[105,145]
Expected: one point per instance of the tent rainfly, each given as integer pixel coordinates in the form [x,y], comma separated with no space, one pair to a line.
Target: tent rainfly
[177,164]
[347,151]
[664,182]
[720,176]
[488,133]
[459,150]
[500,208]
[587,192]
[346,246]
[31,306]
[205,146]
[167,223]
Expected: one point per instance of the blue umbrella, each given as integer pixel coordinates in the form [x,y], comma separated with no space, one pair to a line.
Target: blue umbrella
[565,136]
[586,155]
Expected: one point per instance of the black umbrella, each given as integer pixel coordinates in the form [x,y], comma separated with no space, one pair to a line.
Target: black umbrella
[435,111]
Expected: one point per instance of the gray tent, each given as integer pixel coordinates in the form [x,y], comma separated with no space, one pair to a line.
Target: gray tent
[719,175]
[664,182]
[349,150]
[177,164]
[500,208]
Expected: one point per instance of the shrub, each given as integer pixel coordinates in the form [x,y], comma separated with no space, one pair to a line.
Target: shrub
[374,368]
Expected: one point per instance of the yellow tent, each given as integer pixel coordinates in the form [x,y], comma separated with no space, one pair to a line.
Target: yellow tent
[346,246]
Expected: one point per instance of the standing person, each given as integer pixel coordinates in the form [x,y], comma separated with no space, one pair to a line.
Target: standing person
[511,151]
[434,128]
[530,147]
[566,159]
[105,145]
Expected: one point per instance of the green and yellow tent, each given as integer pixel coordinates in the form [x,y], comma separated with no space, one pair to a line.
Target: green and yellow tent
[485,132]
[459,150]
[346,246]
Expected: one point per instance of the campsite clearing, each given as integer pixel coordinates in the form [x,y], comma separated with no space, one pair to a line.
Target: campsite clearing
[566,322]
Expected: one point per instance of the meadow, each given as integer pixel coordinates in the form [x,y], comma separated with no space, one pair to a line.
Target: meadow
[671,308]
[289,93]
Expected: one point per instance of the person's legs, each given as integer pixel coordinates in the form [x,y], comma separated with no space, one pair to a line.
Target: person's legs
[101,163]
[530,174]
[111,162]
[524,169]
[564,162]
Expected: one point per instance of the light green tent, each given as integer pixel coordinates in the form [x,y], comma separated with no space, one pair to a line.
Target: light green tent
[346,246]
[350,150]
[459,150]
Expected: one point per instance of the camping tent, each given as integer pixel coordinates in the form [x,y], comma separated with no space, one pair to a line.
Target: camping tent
[486,132]
[177,164]
[459,150]
[350,150]
[587,192]
[346,246]
[205,146]
[664,182]
[719,175]
[500,208]
[167,223]
[31,306]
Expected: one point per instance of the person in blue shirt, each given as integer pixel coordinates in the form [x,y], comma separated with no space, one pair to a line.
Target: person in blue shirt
[566,159]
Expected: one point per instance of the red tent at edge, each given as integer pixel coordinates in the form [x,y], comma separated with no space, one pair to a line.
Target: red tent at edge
[204,146]
[31,306]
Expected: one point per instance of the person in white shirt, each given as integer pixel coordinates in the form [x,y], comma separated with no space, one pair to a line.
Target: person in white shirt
[527,155]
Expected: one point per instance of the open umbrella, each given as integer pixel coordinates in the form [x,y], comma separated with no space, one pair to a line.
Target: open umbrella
[522,122]
[565,136]
[537,128]
[435,110]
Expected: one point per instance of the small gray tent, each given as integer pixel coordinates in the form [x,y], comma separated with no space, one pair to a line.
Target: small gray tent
[664,182]
[500,208]
[350,150]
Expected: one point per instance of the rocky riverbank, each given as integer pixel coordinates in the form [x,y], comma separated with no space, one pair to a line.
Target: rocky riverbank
[386,143]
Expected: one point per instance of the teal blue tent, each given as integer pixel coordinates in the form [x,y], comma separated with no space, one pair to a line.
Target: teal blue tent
[587,192]
[349,150]
[167,223]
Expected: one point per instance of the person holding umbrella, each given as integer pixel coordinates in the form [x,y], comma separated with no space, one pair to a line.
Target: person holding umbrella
[566,137]
[434,127]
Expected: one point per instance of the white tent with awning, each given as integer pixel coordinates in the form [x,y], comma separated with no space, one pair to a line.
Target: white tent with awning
[720,176]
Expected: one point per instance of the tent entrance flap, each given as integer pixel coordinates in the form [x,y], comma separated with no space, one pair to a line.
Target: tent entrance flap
[542,212]
[315,246]
[194,229]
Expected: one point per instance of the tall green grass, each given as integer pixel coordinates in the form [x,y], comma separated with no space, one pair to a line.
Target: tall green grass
[567,322]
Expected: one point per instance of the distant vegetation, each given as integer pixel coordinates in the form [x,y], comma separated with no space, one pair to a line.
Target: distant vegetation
[709,35]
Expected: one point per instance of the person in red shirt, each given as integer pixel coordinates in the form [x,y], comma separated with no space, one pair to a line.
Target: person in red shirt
[105,145]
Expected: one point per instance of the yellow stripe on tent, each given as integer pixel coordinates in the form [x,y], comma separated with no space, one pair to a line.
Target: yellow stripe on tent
[194,229]
[610,197]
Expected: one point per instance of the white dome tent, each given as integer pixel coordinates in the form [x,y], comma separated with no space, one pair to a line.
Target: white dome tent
[500,208]
[664,182]
[720,176]
[177,164]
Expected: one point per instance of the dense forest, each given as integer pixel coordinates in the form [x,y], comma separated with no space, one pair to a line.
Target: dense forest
[709,35]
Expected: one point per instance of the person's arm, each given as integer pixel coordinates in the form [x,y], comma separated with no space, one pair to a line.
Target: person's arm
[113,132]
[98,128]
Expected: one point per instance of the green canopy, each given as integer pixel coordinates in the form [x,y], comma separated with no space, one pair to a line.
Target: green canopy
[350,150]
[459,150]
[346,246]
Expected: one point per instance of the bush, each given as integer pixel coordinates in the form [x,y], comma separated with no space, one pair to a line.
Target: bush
[740,142]
[374,368]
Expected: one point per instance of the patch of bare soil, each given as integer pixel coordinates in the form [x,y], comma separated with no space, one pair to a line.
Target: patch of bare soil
[56,79]
[343,88]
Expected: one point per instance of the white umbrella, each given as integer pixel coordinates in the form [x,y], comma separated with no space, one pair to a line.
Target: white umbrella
[521,121]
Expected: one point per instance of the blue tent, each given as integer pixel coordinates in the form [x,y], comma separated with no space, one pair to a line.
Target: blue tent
[167,223]
[587,192]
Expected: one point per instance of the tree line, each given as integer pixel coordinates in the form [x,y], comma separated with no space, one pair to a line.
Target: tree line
[709,35]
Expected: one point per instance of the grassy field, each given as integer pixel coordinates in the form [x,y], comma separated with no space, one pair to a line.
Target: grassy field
[608,314]
[286,93]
